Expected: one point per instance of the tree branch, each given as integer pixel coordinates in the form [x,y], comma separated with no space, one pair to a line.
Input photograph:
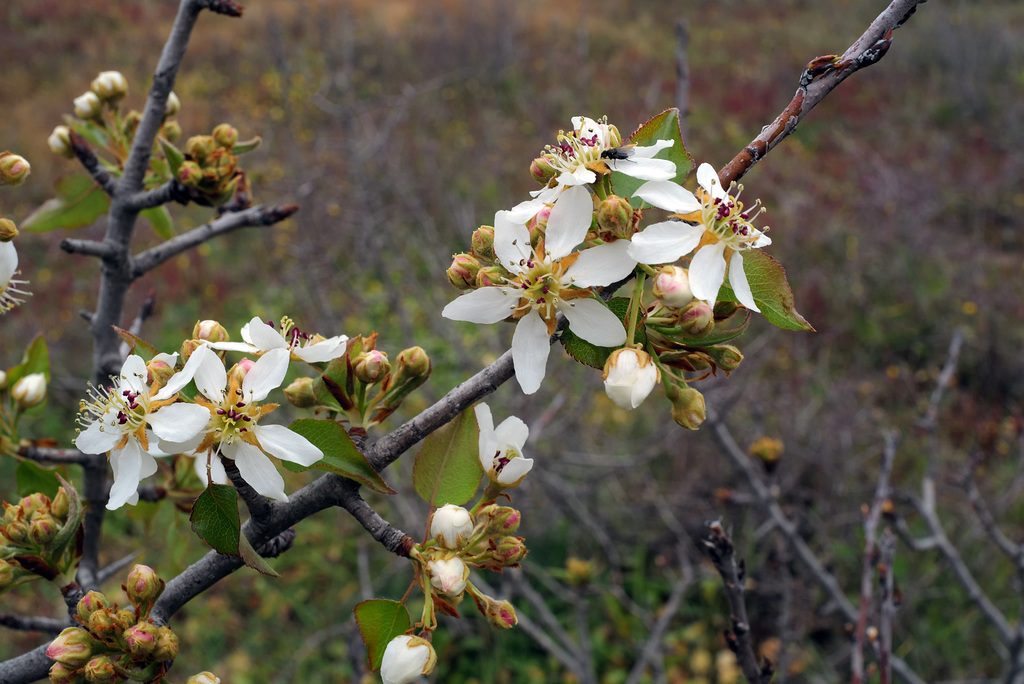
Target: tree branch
[96,248]
[91,162]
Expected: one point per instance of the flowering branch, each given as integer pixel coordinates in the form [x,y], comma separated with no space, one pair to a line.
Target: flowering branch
[820,77]
[91,162]
[32,623]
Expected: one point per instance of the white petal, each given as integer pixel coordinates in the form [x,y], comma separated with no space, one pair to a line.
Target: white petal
[601,265]
[708,179]
[217,471]
[707,271]
[98,438]
[185,375]
[179,422]
[287,445]
[649,151]
[579,176]
[266,374]
[530,349]
[568,222]
[487,444]
[594,322]
[325,350]
[243,347]
[663,243]
[512,431]
[182,447]
[669,196]
[210,376]
[130,465]
[8,262]
[761,240]
[256,469]
[264,336]
[133,374]
[486,305]
[524,211]
[515,470]
[738,281]
[511,241]
[645,169]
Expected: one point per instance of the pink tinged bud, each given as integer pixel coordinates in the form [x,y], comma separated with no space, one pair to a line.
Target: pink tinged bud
[34,503]
[14,169]
[42,529]
[452,526]
[91,603]
[462,272]
[30,390]
[210,331]
[301,393]
[141,639]
[88,106]
[542,170]
[406,659]
[104,623]
[615,217]
[371,367]
[448,576]
[143,586]
[629,376]
[16,531]
[190,174]
[61,505]
[538,225]
[200,146]
[203,678]
[100,669]
[7,575]
[8,231]
[166,645]
[696,319]
[672,287]
[110,85]
[225,135]
[63,674]
[509,551]
[502,615]
[60,142]
[501,520]
[483,243]
[72,647]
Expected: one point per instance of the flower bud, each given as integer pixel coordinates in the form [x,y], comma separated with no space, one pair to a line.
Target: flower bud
[542,170]
[110,86]
[173,106]
[238,372]
[171,131]
[490,275]
[30,390]
[72,647]
[508,551]
[190,174]
[131,123]
[629,376]
[200,146]
[189,346]
[160,368]
[482,244]
[615,216]
[725,309]
[8,573]
[452,526]
[672,287]
[91,603]
[16,531]
[225,135]
[500,520]
[696,319]
[301,393]
[88,106]
[141,639]
[579,572]
[125,618]
[538,225]
[143,588]
[210,331]
[500,614]
[61,505]
[203,678]
[768,451]
[60,142]
[406,659]
[688,408]
[371,367]
[462,272]
[14,169]
[42,529]
[64,674]
[166,645]
[448,576]
[34,503]
[726,356]
[100,669]
[104,623]
[8,231]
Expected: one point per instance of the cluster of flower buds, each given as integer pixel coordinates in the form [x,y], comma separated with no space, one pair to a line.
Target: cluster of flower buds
[117,644]
[40,538]
[363,383]
[210,170]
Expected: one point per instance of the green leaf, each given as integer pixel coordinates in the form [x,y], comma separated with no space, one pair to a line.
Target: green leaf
[36,359]
[134,342]
[380,621]
[32,478]
[664,126]
[172,154]
[79,202]
[88,130]
[215,520]
[591,355]
[340,453]
[246,145]
[447,468]
[160,219]
[771,291]
[68,534]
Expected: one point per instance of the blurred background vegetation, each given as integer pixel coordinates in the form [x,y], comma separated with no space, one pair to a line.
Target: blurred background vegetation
[400,126]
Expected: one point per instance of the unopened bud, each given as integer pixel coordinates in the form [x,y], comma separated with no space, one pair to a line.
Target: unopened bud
[538,225]
[190,173]
[14,169]
[64,674]
[236,376]
[490,275]
[462,272]
[88,106]
[72,647]
[189,346]
[171,131]
[371,367]
[412,368]
[34,503]
[226,135]
[100,670]
[91,603]
[542,170]
[501,520]
[203,678]
[105,623]
[110,86]
[452,526]
[173,105]
[16,531]
[696,319]
[724,310]
[200,146]
[672,287]
[482,243]
[580,572]
[61,505]
[125,618]
[726,356]
[3,380]
[629,376]
[8,573]
[500,614]
[30,390]
[210,331]
[688,408]
[8,230]
[406,659]
[60,142]
[143,587]
[141,639]
[448,576]
[508,551]
[131,123]
[301,393]
[42,529]
[166,645]
[615,217]
[768,451]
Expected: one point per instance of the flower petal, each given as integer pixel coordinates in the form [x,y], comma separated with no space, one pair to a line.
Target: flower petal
[487,443]
[133,374]
[256,469]
[100,437]
[179,422]
[649,151]
[707,271]
[217,471]
[663,243]
[645,169]
[8,263]
[530,348]
[669,196]
[512,431]
[515,470]
[708,179]
[601,265]
[263,336]
[568,223]
[738,281]
[287,445]
[326,350]
[594,322]
[200,356]
[486,305]
[266,374]
[511,241]
[210,376]
[130,465]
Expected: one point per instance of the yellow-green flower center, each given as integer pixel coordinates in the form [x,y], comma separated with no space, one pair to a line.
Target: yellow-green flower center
[727,220]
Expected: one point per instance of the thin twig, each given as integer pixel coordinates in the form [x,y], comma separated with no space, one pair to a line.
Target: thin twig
[27,623]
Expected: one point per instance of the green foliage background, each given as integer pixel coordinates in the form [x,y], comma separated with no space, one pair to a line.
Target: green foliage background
[400,126]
